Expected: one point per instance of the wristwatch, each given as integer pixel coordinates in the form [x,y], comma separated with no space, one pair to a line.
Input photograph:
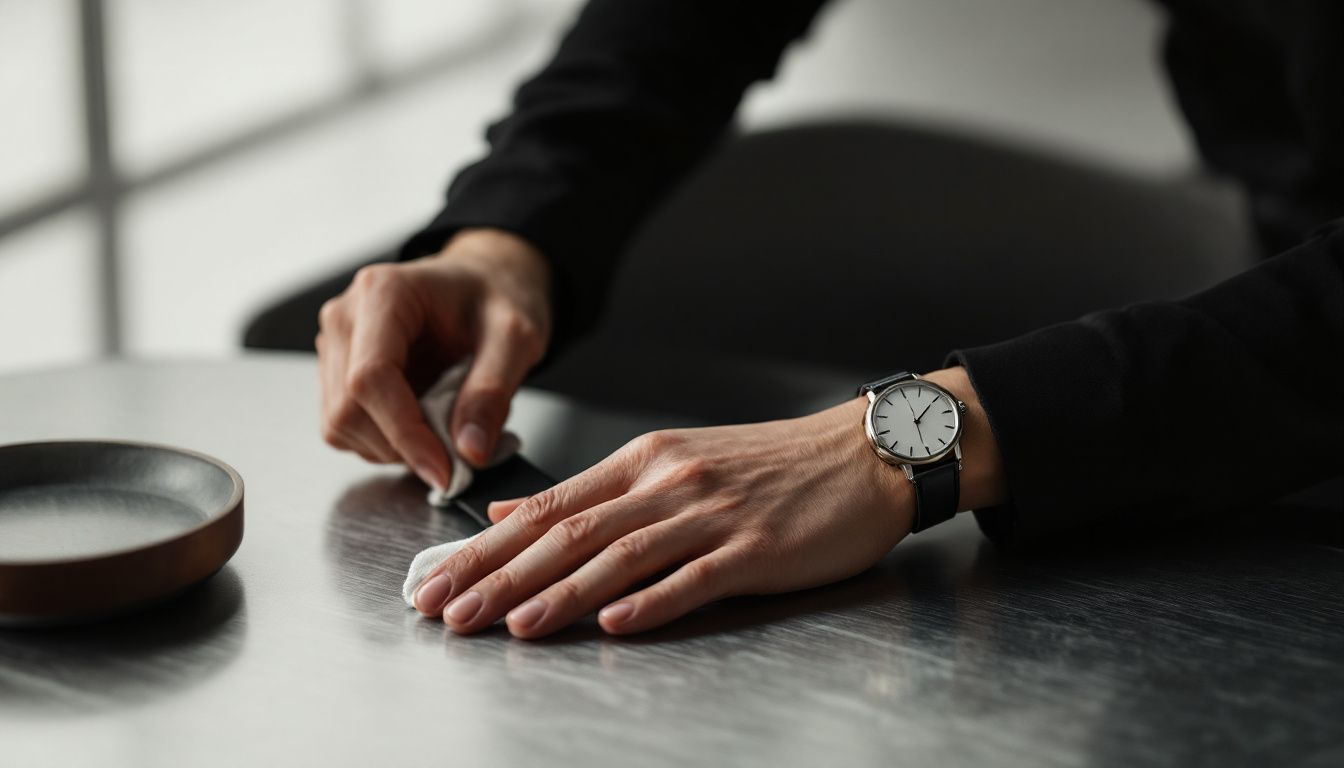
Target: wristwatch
[916,425]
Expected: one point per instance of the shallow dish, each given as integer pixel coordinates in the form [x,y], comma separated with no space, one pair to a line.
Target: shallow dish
[89,529]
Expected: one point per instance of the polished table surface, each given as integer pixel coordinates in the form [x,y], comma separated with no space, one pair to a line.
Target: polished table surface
[1197,650]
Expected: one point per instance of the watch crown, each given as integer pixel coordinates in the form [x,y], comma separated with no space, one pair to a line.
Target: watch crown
[961,406]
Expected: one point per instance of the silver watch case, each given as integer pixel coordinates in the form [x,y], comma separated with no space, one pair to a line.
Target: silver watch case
[883,453]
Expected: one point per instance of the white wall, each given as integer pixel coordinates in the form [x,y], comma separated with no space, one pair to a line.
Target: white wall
[1077,76]
[205,249]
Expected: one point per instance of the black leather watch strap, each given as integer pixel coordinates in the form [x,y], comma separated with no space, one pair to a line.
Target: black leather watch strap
[937,493]
[881,384]
[511,479]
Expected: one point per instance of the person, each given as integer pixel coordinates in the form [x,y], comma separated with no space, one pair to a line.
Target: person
[1231,397]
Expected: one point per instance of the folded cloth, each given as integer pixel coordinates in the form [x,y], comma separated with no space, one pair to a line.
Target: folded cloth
[437,404]
[425,562]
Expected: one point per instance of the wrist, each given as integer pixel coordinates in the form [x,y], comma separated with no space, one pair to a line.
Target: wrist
[497,247]
[983,483]
[893,495]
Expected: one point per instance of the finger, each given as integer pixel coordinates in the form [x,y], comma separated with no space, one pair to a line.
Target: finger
[694,584]
[565,546]
[498,510]
[499,544]
[497,370]
[345,425]
[626,561]
[368,440]
[375,379]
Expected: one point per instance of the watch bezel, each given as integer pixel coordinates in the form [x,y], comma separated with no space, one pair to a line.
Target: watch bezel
[890,456]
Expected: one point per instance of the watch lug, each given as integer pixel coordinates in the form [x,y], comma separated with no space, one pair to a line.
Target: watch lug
[909,472]
[956,449]
[871,395]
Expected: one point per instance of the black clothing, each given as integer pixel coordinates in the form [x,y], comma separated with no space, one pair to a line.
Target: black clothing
[1230,397]
[637,92]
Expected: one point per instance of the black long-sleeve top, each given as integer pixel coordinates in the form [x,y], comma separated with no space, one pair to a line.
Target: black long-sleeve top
[1248,373]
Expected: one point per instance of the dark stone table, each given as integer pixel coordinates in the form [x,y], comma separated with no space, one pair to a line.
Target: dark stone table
[1185,651]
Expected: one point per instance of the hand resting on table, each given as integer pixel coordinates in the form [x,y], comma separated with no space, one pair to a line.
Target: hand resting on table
[735,510]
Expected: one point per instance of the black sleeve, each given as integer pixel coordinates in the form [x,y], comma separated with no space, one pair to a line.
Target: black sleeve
[1227,399]
[638,90]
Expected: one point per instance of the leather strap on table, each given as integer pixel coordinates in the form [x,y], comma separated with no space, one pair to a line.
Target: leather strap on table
[514,478]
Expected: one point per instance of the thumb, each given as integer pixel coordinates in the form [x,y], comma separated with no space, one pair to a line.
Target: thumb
[483,402]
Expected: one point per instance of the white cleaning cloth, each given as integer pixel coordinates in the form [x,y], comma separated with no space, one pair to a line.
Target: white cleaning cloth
[437,404]
[425,562]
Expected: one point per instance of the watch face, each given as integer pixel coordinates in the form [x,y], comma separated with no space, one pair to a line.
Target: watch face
[915,421]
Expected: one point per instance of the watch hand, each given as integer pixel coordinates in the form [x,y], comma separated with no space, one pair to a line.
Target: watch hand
[926,410]
[919,432]
[907,404]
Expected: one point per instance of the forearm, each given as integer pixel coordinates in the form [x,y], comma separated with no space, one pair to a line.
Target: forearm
[635,94]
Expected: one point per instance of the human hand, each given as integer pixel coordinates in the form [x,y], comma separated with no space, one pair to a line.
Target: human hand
[747,509]
[755,508]
[399,325]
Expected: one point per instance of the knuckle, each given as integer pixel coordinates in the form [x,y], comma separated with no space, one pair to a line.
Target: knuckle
[467,561]
[332,314]
[332,436]
[376,277]
[517,326]
[752,544]
[365,380]
[564,592]
[693,471]
[652,444]
[486,398]
[522,333]
[572,532]
[659,441]
[367,455]
[539,512]
[703,574]
[342,414]
[629,550]
[503,581]
[727,502]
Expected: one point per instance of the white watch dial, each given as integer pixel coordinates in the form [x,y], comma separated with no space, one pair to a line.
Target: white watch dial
[915,421]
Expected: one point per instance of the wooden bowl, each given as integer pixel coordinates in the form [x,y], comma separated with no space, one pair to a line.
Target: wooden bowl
[91,529]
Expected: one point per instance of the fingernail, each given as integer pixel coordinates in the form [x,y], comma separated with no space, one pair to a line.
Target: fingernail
[431,595]
[527,614]
[465,608]
[615,614]
[471,443]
